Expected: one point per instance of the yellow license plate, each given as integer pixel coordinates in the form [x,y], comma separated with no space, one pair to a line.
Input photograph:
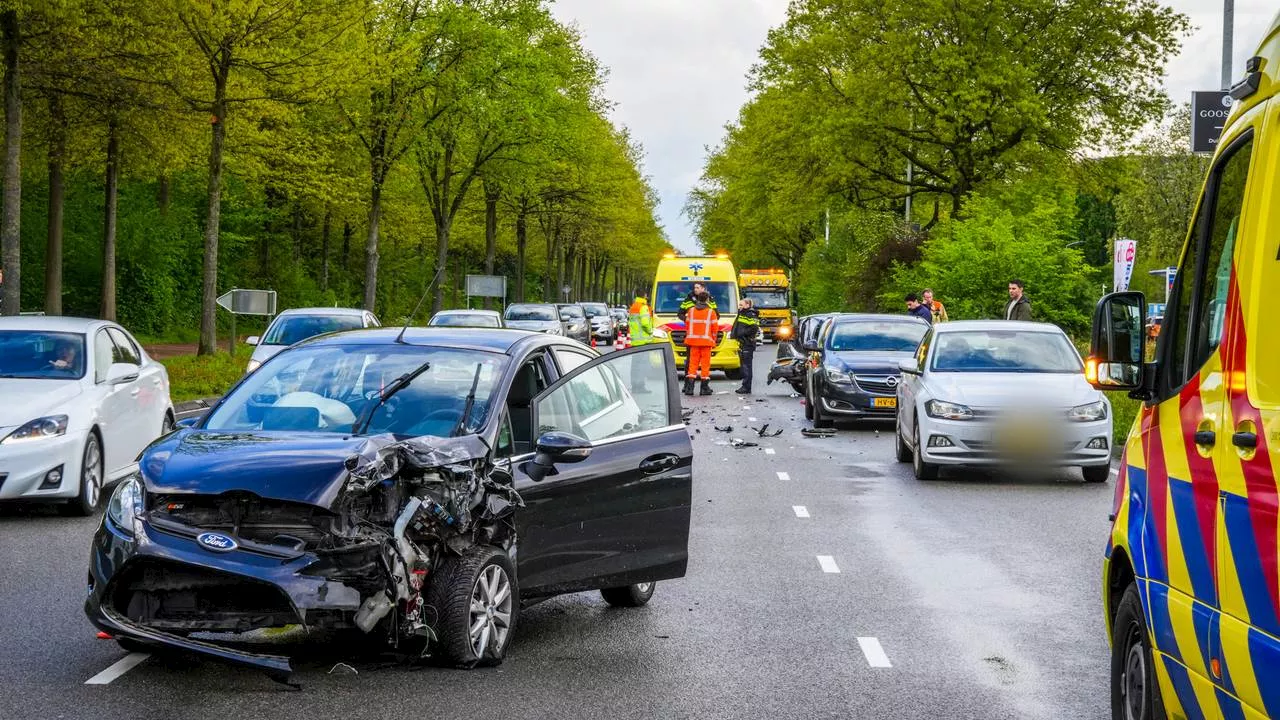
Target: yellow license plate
[884,402]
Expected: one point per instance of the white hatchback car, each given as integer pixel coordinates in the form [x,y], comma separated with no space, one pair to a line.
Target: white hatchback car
[298,324]
[1000,393]
[81,400]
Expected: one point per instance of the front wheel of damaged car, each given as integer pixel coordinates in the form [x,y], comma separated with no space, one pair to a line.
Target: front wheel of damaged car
[476,598]
[630,596]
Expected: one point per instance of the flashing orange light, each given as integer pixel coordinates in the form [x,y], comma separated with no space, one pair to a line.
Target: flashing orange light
[1091,370]
[722,255]
[669,256]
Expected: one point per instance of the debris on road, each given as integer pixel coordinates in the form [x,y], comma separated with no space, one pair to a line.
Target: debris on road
[739,443]
[817,432]
[726,428]
[763,431]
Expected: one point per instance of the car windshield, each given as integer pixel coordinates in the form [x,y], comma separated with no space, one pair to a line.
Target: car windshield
[767,299]
[531,312]
[482,320]
[619,314]
[571,312]
[291,329]
[876,336]
[41,355]
[594,309]
[670,294]
[1005,351]
[327,388]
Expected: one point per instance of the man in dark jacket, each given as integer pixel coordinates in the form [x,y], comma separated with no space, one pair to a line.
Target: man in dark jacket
[914,307]
[746,330]
[1019,307]
[692,297]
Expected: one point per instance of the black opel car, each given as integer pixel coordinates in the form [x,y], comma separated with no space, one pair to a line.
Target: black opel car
[414,486]
[855,372]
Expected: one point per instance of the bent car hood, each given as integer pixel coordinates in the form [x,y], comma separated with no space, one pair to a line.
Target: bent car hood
[26,400]
[1013,390]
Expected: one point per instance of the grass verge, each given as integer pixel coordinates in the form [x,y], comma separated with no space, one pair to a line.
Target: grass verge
[199,376]
[1125,409]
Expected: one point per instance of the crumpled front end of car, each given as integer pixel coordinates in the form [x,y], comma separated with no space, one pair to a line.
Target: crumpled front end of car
[208,571]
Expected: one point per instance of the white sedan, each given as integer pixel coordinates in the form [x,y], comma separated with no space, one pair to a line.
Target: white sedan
[81,401]
[1000,393]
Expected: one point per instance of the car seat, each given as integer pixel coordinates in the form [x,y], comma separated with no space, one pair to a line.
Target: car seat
[520,407]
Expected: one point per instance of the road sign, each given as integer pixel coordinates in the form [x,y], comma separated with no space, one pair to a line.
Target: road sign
[1209,111]
[494,286]
[1122,263]
[249,302]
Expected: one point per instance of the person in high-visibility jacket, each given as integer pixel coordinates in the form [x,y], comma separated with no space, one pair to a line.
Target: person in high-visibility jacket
[640,322]
[699,338]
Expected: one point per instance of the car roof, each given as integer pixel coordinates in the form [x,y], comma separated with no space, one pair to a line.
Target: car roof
[51,323]
[468,311]
[331,311]
[962,325]
[483,339]
[840,318]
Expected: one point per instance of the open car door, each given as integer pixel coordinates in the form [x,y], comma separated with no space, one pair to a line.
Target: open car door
[614,510]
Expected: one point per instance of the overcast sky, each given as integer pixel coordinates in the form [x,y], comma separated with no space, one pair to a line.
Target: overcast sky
[677,72]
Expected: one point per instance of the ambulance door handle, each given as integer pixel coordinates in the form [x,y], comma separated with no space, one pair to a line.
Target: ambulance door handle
[1206,438]
[1245,440]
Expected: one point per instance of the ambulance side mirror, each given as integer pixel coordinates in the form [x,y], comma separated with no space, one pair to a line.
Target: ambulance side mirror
[1118,351]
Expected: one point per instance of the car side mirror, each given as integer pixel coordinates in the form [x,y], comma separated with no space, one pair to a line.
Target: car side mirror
[811,346]
[910,367]
[252,340]
[1118,351]
[187,422]
[121,373]
[554,448]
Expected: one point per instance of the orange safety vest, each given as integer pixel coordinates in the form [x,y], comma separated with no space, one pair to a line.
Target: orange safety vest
[702,327]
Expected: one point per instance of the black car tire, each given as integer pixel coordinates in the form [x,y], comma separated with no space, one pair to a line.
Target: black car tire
[900,445]
[1096,473]
[923,470]
[1130,653]
[808,403]
[733,374]
[630,596]
[86,502]
[450,594]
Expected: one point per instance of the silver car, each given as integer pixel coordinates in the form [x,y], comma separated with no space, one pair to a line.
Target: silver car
[294,326]
[603,326]
[538,317]
[466,318]
[574,319]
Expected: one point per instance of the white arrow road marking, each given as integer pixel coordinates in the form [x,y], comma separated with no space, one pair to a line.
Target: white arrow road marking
[828,564]
[121,666]
[874,653]
[769,451]
[801,511]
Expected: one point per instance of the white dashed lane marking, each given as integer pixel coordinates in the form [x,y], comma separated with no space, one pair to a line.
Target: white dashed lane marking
[828,564]
[121,666]
[874,653]
[768,451]
[783,476]
[801,511]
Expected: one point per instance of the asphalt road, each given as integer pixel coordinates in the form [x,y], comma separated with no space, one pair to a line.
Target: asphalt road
[824,582]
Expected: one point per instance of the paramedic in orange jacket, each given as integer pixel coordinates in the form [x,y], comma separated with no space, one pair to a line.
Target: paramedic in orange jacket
[700,337]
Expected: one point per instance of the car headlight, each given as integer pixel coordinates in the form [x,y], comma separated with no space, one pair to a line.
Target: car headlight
[660,334]
[784,331]
[839,377]
[126,504]
[947,411]
[1088,413]
[253,365]
[38,429]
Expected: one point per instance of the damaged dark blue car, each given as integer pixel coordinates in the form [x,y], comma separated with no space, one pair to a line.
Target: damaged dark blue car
[418,487]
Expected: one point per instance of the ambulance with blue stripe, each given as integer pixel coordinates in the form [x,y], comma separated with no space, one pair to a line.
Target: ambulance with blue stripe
[1191,576]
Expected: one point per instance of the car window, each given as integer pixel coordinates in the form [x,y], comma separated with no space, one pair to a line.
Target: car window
[876,336]
[125,350]
[104,352]
[1005,351]
[669,295]
[41,355]
[922,352]
[570,360]
[530,312]
[618,395]
[291,329]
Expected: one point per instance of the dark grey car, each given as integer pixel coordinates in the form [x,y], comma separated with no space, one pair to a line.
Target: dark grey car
[573,318]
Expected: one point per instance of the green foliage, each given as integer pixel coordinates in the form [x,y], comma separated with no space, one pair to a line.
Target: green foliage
[1020,234]
[200,376]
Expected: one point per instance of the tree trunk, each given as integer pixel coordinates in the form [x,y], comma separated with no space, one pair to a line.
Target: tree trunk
[108,304]
[297,231]
[444,225]
[209,289]
[57,198]
[371,247]
[522,242]
[491,196]
[347,233]
[11,225]
[324,248]
[164,194]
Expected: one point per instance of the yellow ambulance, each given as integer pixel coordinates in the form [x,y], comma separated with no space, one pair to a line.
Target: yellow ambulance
[672,284]
[1191,571]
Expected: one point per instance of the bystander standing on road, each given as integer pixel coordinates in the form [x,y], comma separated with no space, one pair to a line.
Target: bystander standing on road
[746,330]
[915,308]
[639,332]
[939,310]
[1019,307]
[699,338]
